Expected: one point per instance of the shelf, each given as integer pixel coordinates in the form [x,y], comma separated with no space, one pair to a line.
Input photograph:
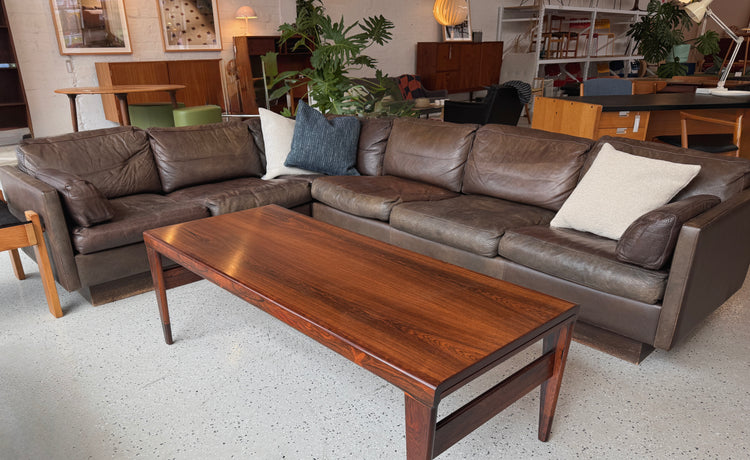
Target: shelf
[536,15]
[12,104]
[591,59]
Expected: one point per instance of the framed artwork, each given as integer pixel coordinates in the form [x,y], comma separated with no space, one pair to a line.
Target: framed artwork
[460,32]
[91,26]
[189,25]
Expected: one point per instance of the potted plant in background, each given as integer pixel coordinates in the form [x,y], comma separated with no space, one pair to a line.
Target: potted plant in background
[661,30]
[336,50]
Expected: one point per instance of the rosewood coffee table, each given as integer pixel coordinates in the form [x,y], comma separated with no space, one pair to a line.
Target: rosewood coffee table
[425,326]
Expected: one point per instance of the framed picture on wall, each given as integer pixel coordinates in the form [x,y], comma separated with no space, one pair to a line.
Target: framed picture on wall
[91,26]
[189,25]
[460,32]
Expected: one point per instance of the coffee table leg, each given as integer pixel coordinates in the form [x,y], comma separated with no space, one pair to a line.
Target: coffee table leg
[559,340]
[420,429]
[157,274]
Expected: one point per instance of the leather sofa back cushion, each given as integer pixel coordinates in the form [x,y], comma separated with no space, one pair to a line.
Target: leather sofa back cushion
[205,153]
[651,239]
[373,139]
[719,175]
[524,165]
[85,203]
[117,161]
[429,151]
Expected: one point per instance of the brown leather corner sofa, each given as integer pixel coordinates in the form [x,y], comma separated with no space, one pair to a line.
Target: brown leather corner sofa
[479,197]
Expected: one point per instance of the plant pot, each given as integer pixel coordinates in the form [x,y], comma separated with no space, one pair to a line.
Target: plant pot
[681,51]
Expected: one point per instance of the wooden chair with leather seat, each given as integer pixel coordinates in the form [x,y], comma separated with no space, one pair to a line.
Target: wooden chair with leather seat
[720,143]
[501,105]
[15,234]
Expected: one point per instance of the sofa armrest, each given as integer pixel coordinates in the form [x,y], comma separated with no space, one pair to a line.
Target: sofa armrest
[710,264]
[24,192]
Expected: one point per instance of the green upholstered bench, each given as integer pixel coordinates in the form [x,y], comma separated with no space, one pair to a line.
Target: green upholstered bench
[146,115]
[198,115]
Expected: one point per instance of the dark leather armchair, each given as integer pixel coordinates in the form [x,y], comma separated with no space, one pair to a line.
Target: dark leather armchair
[501,105]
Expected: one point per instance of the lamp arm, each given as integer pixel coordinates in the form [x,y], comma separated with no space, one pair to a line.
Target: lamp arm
[737,40]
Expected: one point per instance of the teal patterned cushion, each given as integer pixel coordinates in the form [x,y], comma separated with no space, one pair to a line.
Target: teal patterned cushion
[322,145]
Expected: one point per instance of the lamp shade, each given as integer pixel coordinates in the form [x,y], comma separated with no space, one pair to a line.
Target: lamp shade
[245,12]
[450,12]
[696,11]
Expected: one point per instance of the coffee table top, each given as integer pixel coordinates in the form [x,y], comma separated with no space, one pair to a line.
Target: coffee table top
[422,324]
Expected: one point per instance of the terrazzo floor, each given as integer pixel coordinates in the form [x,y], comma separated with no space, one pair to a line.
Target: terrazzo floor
[100,383]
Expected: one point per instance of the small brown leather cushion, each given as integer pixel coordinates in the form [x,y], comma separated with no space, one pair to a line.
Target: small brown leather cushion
[651,239]
[118,161]
[525,165]
[204,153]
[85,204]
[429,151]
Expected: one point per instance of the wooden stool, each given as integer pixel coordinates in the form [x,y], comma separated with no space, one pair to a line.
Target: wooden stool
[15,234]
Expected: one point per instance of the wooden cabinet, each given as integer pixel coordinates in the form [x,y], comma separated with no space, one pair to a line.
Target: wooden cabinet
[459,67]
[202,80]
[14,113]
[248,52]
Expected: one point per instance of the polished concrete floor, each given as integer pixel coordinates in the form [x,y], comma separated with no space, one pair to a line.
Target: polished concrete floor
[100,383]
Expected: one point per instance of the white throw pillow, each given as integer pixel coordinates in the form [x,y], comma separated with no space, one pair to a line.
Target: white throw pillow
[619,188]
[278,132]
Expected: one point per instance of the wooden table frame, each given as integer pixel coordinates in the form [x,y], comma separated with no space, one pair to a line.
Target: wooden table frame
[121,92]
[309,242]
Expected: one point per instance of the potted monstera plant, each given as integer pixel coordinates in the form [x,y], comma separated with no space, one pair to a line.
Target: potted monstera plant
[661,30]
[336,50]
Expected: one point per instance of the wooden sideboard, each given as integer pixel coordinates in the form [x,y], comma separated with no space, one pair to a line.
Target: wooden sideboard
[201,77]
[459,67]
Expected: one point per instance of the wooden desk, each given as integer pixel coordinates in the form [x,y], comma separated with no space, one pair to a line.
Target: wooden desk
[659,114]
[121,92]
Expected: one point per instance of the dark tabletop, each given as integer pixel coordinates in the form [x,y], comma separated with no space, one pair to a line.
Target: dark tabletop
[665,101]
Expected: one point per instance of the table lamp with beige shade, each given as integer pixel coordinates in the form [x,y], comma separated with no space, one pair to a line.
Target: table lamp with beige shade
[246,13]
[696,11]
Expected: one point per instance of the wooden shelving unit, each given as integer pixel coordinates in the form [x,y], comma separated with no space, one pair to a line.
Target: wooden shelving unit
[14,113]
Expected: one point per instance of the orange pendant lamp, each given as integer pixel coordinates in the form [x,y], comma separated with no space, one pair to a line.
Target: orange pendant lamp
[450,12]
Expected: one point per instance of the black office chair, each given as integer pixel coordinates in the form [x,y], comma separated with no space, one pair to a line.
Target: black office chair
[501,105]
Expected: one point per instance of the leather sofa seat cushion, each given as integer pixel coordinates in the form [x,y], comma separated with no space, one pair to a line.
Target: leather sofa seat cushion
[525,165]
[373,196]
[117,161]
[84,203]
[650,240]
[246,193]
[582,258]
[473,223]
[719,175]
[134,214]
[205,153]
[429,151]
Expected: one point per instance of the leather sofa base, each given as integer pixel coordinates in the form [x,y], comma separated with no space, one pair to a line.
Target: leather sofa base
[122,288]
[613,344]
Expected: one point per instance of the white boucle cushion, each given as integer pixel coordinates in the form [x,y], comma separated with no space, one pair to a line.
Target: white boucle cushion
[278,132]
[619,188]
